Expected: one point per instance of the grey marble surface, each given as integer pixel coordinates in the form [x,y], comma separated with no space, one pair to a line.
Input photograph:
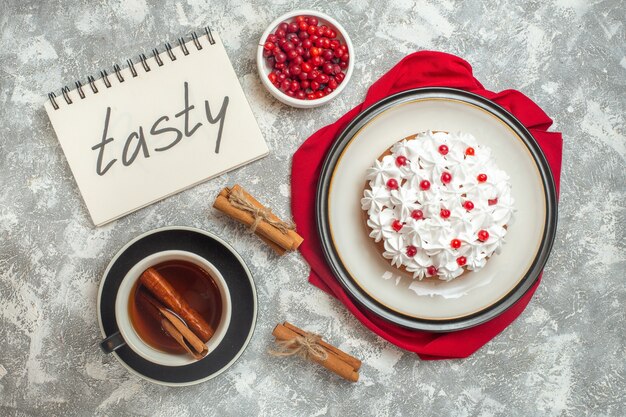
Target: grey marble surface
[566,354]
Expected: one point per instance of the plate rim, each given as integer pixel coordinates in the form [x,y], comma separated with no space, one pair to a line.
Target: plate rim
[248,274]
[339,270]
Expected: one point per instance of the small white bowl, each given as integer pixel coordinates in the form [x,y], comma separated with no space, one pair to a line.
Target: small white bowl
[264,68]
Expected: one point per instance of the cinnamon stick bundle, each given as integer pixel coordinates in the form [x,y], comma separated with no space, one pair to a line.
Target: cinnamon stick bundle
[292,340]
[239,205]
[163,291]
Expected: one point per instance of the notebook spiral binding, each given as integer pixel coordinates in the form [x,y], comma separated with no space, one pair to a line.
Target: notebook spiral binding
[104,75]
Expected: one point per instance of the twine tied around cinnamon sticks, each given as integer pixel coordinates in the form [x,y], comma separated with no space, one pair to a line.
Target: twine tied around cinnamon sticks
[239,205]
[291,341]
[306,346]
[238,199]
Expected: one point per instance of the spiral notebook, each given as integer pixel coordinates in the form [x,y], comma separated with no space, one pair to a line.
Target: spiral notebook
[154,127]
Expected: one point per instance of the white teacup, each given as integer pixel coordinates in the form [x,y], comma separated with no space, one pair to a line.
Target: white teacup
[127,334]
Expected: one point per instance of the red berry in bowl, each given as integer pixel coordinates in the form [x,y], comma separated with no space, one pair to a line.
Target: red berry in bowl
[322,78]
[295,69]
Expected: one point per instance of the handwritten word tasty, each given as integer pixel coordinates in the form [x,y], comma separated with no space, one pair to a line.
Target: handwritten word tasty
[137,141]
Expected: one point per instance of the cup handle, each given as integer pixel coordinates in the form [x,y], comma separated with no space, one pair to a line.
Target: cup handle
[112,343]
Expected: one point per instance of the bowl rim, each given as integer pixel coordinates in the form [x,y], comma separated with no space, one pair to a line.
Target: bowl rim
[277,93]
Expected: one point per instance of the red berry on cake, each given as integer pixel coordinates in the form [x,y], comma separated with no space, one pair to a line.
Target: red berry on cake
[431,271]
[468,205]
[446,177]
[481,177]
[401,161]
[455,243]
[397,225]
[411,251]
[444,213]
[483,235]
[392,184]
[443,149]
[417,214]
[424,185]
[461,260]
[492,202]
[469,151]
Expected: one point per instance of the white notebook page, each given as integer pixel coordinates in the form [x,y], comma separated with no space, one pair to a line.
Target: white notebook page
[160,138]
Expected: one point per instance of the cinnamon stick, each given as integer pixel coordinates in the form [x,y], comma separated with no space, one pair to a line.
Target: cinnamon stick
[332,362]
[280,251]
[158,286]
[350,360]
[175,327]
[280,241]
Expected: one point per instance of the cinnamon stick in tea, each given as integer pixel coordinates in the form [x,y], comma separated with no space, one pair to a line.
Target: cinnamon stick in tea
[163,291]
[332,362]
[238,204]
[174,326]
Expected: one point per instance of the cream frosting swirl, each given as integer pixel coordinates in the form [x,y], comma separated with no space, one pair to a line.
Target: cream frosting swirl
[447,209]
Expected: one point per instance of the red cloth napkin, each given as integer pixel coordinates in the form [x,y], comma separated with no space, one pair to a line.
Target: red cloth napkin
[420,69]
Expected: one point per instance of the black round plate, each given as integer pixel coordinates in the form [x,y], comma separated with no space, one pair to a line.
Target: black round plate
[240,285]
[334,261]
